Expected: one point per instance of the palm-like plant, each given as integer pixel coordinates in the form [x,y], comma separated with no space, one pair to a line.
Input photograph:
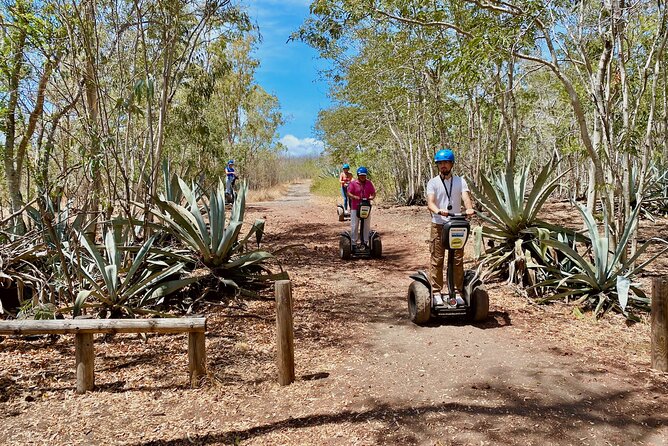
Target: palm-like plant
[118,290]
[204,229]
[511,221]
[655,196]
[603,277]
[21,270]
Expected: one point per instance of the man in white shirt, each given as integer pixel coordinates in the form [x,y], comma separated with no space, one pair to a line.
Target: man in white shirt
[445,193]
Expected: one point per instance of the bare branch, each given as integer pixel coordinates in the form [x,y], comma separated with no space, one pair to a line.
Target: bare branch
[422,23]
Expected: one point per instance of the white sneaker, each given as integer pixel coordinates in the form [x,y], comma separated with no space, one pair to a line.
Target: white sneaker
[460,301]
[438,300]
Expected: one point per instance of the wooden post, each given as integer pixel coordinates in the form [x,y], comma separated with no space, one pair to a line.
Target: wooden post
[284,333]
[196,357]
[85,361]
[659,333]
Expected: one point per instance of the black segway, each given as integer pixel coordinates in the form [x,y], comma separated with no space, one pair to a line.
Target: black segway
[473,304]
[230,197]
[374,249]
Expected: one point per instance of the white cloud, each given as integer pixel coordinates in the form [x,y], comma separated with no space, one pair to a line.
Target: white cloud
[303,146]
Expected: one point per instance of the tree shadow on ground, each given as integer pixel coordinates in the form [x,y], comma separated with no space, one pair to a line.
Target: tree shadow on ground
[413,424]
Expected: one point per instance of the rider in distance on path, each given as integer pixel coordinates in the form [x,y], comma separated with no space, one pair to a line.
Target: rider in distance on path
[345,178]
[231,176]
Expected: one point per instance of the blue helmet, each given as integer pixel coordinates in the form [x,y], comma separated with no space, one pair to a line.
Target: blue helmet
[230,162]
[444,155]
[362,171]
[346,166]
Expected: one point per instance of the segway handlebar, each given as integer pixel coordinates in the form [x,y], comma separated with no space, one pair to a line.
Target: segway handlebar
[457,214]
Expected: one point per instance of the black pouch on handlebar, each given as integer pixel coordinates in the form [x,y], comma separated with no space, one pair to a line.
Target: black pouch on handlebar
[455,232]
[364,209]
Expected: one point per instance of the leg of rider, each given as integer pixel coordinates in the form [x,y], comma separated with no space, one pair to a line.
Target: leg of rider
[367,229]
[344,192]
[354,227]
[228,185]
[437,252]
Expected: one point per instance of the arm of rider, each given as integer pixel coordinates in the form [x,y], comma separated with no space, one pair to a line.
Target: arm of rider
[349,192]
[468,203]
[431,204]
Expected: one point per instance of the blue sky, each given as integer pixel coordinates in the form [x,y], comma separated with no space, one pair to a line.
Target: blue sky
[289,70]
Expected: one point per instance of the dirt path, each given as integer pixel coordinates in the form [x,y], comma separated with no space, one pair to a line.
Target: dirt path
[453,382]
[366,375]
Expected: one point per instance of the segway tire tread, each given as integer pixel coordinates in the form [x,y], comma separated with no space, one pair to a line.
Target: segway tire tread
[345,250]
[419,303]
[479,309]
[376,248]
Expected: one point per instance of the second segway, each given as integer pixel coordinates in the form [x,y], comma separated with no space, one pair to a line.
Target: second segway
[373,248]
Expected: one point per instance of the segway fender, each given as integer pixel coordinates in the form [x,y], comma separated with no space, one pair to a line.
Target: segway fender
[471,283]
[340,212]
[421,276]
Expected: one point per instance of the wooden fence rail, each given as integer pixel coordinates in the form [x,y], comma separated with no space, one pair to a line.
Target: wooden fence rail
[84,329]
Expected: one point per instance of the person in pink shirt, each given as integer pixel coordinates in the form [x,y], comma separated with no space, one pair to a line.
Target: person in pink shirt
[357,190]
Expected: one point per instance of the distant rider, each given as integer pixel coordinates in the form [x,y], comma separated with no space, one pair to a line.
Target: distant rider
[345,178]
[357,190]
[231,177]
[445,193]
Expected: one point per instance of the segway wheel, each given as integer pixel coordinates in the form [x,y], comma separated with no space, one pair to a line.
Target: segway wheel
[341,212]
[479,309]
[345,250]
[419,303]
[376,248]
[229,198]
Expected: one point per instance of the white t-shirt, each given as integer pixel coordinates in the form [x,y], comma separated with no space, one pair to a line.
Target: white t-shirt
[436,187]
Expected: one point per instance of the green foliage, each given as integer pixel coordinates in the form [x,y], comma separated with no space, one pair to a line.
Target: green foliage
[655,191]
[22,263]
[203,228]
[511,220]
[221,113]
[601,277]
[118,288]
[39,311]
[326,186]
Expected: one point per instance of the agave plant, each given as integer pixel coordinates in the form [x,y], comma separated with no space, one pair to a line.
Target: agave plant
[22,272]
[602,277]
[511,222]
[120,289]
[655,197]
[215,240]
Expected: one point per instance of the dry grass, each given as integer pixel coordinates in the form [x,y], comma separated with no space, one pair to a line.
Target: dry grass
[267,194]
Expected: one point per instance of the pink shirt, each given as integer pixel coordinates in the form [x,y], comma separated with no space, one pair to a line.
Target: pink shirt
[361,190]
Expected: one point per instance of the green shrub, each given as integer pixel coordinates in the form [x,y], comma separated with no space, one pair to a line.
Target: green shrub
[597,276]
[215,240]
[326,186]
[511,224]
[118,288]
